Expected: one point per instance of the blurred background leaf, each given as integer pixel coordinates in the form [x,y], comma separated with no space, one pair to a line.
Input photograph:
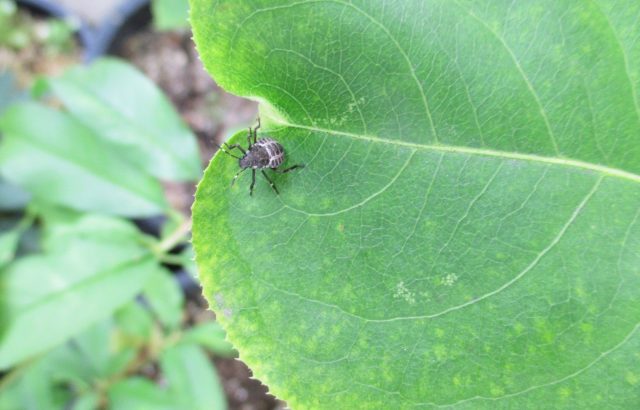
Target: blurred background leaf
[84,276]
[124,107]
[191,378]
[212,337]
[138,393]
[9,90]
[71,166]
[170,14]
[165,298]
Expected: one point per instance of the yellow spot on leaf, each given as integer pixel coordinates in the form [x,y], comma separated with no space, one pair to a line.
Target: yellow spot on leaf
[496,390]
[440,351]
[564,392]
[632,378]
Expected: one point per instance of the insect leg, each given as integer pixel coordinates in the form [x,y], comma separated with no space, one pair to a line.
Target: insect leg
[235,146]
[284,171]
[253,181]
[273,186]
[255,131]
[249,138]
[225,151]
[233,181]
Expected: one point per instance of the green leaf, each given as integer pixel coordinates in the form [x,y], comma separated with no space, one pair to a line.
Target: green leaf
[94,348]
[466,230]
[188,262]
[137,393]
[52,297]
[164,295]
[58,160]
[212,337]
[170,14]
[11,232]
[135,324]
[34,389]
[193,381]
[12,198]
[9,90]
[95,355]
[64,228]
[8,246]
[124,107]
[88,401]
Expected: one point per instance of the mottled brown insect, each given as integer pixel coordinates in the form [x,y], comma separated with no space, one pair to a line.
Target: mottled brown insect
[263,153]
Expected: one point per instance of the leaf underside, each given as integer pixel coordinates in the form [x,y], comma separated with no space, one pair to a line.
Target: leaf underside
[465,231]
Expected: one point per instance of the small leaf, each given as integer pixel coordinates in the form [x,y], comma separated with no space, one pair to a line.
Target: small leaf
[135,323]
[170,14]
[8,245]
[87,401]
[193,381]
[137,393]
[212,337]
[124,107]
[58,160]
[11,232]
[189,263]
[165,297]
[94,347]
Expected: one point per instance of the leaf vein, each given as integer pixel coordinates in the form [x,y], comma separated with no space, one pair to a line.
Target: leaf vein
[524,76]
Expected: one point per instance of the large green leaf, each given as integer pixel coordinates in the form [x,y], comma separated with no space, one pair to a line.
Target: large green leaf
[58,160]
[466,231]
[120,104]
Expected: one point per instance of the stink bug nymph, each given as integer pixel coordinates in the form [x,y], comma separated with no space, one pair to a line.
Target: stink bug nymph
[263,153]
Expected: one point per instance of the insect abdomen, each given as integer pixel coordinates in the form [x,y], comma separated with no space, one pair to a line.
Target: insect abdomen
[274,150]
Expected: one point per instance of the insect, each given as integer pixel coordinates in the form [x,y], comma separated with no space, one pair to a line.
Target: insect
[261,154]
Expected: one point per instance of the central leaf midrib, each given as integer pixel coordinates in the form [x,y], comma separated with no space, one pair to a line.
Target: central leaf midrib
[609,171]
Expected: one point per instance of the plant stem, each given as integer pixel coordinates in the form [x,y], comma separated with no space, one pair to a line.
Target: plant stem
[175,237]
[171,259]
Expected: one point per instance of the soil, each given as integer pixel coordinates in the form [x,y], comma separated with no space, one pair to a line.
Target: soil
[171,61]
